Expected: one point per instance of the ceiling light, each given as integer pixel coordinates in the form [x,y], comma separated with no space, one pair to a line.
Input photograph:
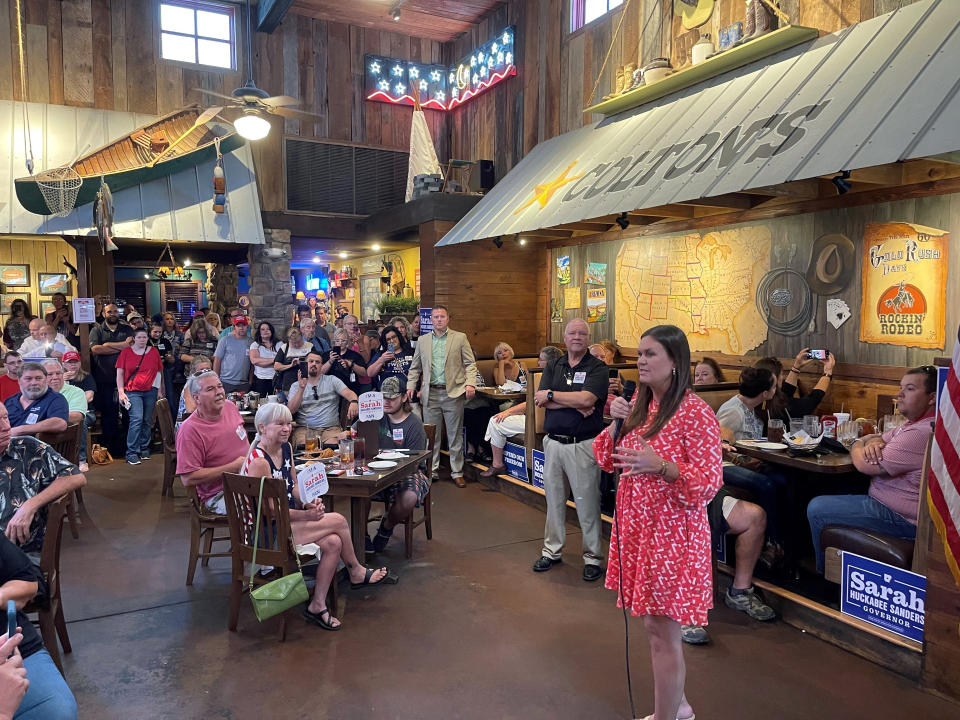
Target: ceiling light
[375,247]
[523,241]
[342,254]
[187,263]
[498,242]
[623,221]
[316,258]
[252,126]
[840,181]
[146,275]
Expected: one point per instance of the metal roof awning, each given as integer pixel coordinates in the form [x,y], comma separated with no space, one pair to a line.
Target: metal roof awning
[877,92]
[175,207]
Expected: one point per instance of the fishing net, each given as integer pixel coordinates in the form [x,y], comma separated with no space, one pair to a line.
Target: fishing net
[59,187]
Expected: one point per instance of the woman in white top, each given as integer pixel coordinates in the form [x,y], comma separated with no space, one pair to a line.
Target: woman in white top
[262,354]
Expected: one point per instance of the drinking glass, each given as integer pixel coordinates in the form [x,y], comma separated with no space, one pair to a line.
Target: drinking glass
[796,425]
[811,425]
[346,454]
[775,431]
[847,432]
[311,443]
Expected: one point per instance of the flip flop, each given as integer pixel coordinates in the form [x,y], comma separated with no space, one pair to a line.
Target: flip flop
[366,578]
[318,618]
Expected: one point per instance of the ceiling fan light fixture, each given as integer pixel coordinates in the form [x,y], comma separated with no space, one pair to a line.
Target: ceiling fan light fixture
[252,126]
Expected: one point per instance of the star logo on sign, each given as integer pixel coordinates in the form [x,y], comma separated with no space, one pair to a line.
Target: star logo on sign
[543,193]
[375,68]
[400,89]
[384,85]
[397,70]
[423,84]
[414,72]
[435,75]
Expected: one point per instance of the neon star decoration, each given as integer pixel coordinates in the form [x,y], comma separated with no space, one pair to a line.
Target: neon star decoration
[543,193]
[441,87]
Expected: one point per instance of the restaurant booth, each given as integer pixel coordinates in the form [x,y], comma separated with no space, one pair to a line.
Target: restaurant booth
[805,196]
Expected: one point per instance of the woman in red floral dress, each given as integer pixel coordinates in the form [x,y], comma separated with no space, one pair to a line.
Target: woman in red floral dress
[669,456]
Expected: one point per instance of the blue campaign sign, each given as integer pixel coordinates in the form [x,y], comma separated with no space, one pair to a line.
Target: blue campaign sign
[719,546]
[515,458]
[883,595]
[426,320]
[538,460]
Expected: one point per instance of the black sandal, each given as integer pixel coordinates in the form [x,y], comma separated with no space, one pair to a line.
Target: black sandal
[319,618]
[369,574]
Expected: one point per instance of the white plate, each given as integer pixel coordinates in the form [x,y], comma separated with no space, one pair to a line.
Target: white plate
[246,412]
[382,464]
[391,455]
[770,446]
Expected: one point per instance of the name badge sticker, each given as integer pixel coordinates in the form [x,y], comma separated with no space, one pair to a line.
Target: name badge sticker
[32,418]
[241,433]
[580,377]
[398,435]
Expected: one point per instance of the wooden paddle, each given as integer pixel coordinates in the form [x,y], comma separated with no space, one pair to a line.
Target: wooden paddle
[203,118]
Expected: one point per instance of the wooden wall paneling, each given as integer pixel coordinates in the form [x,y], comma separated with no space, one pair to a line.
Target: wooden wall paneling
[307,60]
[9,67]
[574,88]
[372,110]
[528,58]
[650,38]
[319,94]
[78,80]
[102,55]
[630,49]
[358,123]
[290,31]
[118,52]
[829,17]
[553,33]
[38,74]
[339,97]
[141,56]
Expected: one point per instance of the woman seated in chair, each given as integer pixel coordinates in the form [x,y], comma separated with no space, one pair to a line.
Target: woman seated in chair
[313,528]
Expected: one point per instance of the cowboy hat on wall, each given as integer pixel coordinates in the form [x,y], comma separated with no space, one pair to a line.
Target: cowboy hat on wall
[831,264]
[693,13]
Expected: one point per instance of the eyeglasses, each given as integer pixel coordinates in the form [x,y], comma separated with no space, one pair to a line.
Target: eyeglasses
[315,395]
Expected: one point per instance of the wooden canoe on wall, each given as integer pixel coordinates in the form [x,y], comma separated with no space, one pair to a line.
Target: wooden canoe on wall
[156,150]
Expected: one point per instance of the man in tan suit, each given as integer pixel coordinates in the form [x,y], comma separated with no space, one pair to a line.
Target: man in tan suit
[446,362]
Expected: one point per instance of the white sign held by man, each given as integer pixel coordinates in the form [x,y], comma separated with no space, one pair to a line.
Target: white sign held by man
[371,406]
[313,482]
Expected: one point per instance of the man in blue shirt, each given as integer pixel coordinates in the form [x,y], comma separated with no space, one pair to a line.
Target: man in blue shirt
[36,408]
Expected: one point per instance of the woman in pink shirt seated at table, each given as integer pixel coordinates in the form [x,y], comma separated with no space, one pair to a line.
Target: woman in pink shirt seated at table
[314,529]
[894,460]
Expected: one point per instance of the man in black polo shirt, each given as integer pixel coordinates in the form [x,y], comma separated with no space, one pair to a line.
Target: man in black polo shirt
[36,408]
[572,391]
[106,341]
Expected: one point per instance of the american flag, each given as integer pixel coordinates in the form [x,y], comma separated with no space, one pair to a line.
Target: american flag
[944,484]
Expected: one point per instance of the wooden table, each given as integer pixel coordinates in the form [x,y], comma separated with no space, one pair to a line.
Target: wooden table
[829,464]
[361,488]
[495,394]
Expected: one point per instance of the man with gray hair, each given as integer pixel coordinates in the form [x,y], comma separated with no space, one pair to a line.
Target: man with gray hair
[35,409]
[308,328]
[75,397]
[211,441]
[572,392]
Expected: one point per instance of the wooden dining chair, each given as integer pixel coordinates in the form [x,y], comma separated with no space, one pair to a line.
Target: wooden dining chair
[50,615]
[67,444]
[274,541]
[410,524]
[203,525]
[168,438]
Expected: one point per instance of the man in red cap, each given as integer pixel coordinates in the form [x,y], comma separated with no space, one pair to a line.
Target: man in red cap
[231,361]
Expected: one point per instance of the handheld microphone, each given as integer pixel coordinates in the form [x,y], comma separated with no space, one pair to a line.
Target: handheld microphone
[629,387]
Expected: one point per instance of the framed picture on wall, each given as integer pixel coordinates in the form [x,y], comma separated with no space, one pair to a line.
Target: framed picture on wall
[15,275]
[52,283]
[8,298]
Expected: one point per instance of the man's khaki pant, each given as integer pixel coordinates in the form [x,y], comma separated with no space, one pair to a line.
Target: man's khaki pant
[576,463]
[445,411]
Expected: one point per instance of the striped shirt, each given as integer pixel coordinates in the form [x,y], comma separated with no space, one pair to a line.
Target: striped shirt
[902,462]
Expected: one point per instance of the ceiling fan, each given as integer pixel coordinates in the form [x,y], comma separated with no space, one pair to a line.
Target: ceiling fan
[256,102]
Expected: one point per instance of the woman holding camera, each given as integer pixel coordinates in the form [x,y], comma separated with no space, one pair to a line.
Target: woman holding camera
[785,403]
[290,355]
[394,357]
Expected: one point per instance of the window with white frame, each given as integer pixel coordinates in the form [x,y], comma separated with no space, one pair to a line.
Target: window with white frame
[583,12]
[199,33]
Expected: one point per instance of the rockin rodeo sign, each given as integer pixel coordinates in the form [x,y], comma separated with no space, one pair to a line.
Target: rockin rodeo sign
[904,281]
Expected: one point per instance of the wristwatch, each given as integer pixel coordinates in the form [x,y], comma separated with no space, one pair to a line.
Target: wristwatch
[549,395]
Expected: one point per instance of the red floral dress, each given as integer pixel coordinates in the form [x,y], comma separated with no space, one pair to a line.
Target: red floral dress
[664,531]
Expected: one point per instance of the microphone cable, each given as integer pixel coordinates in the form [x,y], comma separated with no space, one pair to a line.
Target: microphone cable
[629,388]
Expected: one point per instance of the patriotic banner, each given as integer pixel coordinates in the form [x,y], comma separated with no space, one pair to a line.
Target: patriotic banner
[943,492]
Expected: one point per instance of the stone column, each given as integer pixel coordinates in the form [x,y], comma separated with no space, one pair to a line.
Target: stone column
[221,287]
[270,291]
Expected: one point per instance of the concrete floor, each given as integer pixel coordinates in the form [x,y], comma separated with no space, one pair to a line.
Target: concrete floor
[469,632]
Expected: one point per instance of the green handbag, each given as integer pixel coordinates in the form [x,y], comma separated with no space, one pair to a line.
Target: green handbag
[274,597]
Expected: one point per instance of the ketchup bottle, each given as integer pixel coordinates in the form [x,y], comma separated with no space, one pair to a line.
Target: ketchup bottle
[829,425]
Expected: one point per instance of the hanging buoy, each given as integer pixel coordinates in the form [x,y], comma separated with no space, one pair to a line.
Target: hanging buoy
[219,182]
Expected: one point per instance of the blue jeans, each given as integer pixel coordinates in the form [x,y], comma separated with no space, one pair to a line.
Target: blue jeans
[857,511]
[141,422]
[89,420]
[48,697]
[764,486]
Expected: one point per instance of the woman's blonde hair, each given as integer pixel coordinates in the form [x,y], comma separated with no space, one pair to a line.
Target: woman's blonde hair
[267,414]
[214,321]
[501,346]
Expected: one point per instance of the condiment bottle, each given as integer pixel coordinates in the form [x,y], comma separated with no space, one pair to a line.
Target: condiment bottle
[829,425]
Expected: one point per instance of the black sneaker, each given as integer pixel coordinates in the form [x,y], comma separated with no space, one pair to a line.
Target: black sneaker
[591,573]
[544,563]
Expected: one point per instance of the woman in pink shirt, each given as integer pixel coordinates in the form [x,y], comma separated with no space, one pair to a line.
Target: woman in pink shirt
[139,384]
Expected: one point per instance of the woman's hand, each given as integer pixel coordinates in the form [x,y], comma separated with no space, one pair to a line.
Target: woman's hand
[829,363]
[620,409]
[802,358]
[616,387]
[501,416]
[637,462]
[315,509]
[122,397]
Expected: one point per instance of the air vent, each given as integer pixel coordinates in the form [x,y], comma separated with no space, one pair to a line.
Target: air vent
[343,179]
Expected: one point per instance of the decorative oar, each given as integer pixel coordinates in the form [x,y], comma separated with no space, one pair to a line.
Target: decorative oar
[203,118]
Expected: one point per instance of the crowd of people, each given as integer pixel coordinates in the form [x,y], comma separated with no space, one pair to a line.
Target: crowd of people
[673,462]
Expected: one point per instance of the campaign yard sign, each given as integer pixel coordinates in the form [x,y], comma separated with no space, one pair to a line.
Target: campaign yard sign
[426,320]
[538,461]
[313,482]
[515,458]
[883,595]
[371,406]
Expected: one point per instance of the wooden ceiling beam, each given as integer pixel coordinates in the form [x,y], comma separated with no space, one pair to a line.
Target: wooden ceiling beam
[544,233]
[733,201]
[916,171]
[675,210]
[811,188]
[591,226]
